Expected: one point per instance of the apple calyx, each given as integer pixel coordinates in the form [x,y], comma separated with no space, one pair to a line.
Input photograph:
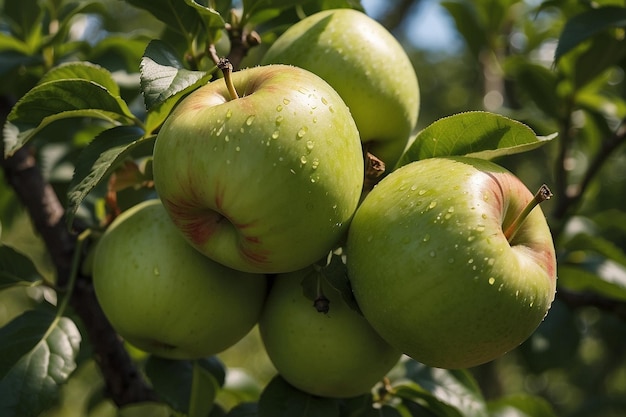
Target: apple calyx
[542,195]
[227,69]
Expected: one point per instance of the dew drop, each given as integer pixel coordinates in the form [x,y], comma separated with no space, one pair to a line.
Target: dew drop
[279,119]
[470,261]
[471,238]
[303,160]
[315,163]
[492,280]
[421,192]
[226,138]
[279,108]
[302,132]
[275,134]
[432,204]
[331,108]
[237,149]
[413,187]
[309,145]
[426,237]
[491,261]
[480,228]
[314,119]
[484,216]
[229,113]
[286,101]
[156,271]
[324,101]
[249,120]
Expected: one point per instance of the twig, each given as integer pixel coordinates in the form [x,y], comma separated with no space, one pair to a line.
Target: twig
[123,381]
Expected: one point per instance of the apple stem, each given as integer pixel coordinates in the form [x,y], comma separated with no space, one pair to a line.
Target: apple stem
[321,302]
[227,69]
[542,195]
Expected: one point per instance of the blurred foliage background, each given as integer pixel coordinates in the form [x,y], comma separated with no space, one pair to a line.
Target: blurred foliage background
[494,55]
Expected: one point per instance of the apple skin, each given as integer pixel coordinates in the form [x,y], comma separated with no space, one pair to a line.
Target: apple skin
[164,297]
[266,182]
[432,270]
[335,355]
[366,65]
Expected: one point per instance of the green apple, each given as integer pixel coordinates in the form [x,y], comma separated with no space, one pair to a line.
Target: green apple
[166,298]
[335,354]
[366,65]
[267,180]
[437,268]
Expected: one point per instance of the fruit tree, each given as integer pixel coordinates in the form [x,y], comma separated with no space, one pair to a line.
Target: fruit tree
[271,208]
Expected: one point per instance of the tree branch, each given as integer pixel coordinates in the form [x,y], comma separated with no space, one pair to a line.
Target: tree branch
[124,383]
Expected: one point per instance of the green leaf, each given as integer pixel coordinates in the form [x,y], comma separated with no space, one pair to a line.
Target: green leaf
[279,399]
[83,71]
[176,14]
[187,386]
[57,100]
[478,134]
[468,24]
[604,51]
[454,388]
[248,409]
[16,269]
[537,83]
[585,25]
[211,20]
[99,159]
[520,406]
[412,392]
[336,274]
[144,409]
[597,275]
[163,75]
[40,353]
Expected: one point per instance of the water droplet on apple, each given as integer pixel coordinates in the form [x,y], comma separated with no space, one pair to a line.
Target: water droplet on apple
[315,164]
[432,204]
[491,261]
[275,134]
[332,110]
[279,119]
[324,101]
[226,138]
[426,237]
[413,187]
[471,238]
[484,216]
[492,280]
[480,228]
[421,192]
[302,132]
[314,119]
[433,254]
[229,113]
[156,271]
[470,261]
[310,145]
[249,120]
[286,101]
[303,160]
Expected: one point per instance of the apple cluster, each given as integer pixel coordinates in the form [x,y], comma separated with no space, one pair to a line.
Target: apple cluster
[262,174]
